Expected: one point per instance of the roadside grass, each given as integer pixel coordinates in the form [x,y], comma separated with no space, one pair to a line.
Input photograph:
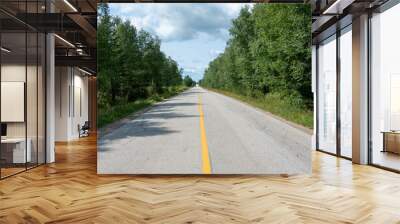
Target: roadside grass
[117,112]
[277,106]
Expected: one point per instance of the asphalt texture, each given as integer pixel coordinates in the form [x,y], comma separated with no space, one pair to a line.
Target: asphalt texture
[240,139]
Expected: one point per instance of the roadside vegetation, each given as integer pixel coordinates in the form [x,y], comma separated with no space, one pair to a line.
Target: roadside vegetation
[189,82]
[267,61]
[275,104]
[108,115]
[132,70]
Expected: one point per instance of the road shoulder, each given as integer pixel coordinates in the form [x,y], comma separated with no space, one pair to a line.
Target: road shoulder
[295,125]
[107,129]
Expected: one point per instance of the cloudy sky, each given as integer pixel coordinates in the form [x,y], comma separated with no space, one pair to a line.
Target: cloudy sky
[192,34]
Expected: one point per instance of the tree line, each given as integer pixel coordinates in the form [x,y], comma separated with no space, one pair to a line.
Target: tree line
[268,53]
[130,63]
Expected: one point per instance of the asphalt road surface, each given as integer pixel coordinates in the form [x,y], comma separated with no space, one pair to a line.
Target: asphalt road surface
[202,132]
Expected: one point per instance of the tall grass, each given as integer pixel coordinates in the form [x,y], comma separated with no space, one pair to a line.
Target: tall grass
[278,105]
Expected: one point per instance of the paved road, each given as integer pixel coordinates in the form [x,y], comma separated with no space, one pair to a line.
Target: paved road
[200,128]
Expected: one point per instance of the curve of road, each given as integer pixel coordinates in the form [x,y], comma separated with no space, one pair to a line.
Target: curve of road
[202,132]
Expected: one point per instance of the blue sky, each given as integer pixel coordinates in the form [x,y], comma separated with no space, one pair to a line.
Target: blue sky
[193,34]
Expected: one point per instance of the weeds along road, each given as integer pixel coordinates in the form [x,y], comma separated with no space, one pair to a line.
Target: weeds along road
[202,132]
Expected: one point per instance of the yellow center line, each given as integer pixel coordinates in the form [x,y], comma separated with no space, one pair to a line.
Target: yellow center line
[206,166]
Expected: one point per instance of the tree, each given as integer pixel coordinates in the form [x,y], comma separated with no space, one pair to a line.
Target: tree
[281,49]
[104,58]
[188,81]
[131,64]
[268,53]
[127,60]
[242,33]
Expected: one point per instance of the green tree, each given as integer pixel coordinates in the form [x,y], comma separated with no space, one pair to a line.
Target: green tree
[268,53]
[104,55]
[127,61]
[281,49]
[131,64]
[188,81]
[242,32]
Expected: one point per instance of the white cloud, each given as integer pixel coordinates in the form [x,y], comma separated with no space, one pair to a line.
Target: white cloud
[192,34]
[215,53]
[234,9]
[189,70]
[179,22]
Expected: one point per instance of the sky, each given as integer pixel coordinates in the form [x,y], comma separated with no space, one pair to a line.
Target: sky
[193,34]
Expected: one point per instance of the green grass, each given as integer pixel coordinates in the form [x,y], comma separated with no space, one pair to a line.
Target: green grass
[277,106]
[117,112]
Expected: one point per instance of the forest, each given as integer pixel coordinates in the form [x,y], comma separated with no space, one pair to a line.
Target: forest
[267,60]
[132,70]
